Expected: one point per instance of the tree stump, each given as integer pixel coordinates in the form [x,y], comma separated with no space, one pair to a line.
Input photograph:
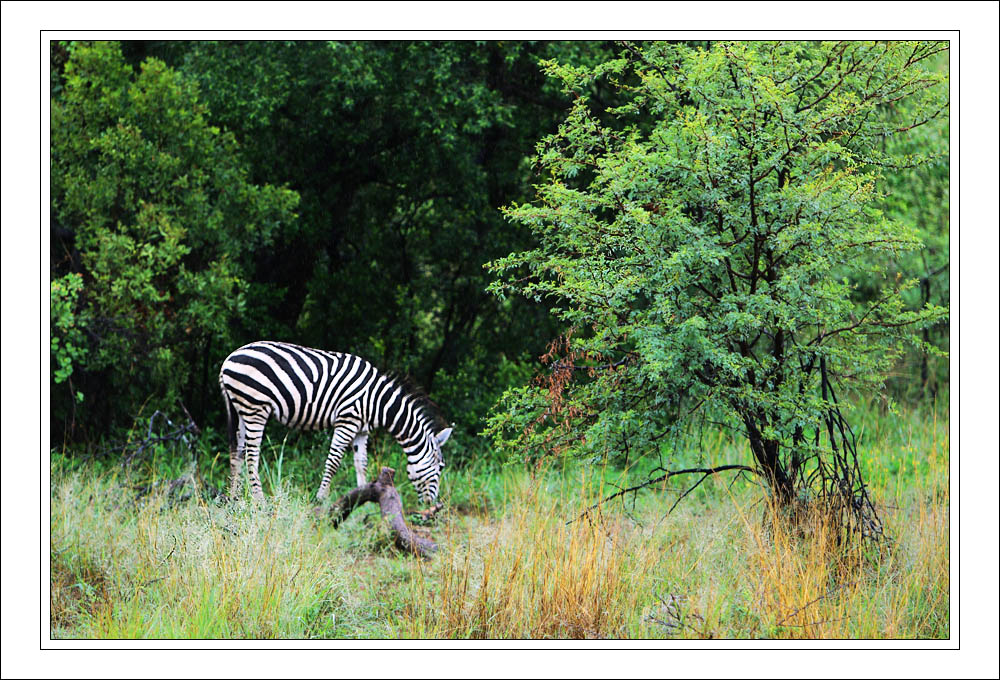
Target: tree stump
[383,492]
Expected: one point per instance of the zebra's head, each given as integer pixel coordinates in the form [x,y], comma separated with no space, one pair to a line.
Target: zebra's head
[425,471]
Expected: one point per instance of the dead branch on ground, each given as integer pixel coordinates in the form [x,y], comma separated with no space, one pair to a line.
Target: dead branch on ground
[383,492]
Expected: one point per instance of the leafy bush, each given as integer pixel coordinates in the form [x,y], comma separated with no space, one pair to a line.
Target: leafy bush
[153,217]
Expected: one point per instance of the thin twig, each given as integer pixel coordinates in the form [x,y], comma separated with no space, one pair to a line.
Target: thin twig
[812,602]
[667,475]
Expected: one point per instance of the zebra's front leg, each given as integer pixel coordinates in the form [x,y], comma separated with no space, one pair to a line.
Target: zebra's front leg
[341,439]
[360,446]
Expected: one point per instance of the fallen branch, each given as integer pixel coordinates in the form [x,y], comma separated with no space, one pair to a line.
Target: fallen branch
[383,492]
[825,595]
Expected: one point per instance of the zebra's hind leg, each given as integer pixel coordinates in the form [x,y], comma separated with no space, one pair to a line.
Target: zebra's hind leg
[253,434]
[360,446]
[237,447]
[235,470]
[236,436]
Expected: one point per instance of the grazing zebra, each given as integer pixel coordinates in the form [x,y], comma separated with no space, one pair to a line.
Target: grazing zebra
[311,389]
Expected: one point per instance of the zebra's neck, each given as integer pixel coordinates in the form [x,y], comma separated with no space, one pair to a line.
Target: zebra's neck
[400,413]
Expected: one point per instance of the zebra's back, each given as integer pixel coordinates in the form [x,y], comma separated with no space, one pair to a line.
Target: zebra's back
[301,387]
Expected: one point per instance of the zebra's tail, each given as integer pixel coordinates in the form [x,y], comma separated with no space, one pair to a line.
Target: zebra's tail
[232,420]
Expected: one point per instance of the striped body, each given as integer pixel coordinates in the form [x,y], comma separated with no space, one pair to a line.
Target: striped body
[311,389]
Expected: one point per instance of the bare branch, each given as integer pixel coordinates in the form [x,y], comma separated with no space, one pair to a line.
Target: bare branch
[667,475]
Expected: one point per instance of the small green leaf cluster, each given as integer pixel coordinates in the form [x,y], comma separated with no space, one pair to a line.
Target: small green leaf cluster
[68,346]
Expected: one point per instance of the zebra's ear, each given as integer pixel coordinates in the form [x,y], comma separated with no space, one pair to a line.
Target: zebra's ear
[442,436]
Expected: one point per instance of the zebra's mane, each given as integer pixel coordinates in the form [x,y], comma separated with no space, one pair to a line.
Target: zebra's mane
[425,407]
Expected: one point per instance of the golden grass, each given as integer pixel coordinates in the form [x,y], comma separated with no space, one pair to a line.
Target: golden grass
[731,567]
[723,565]
[532,575]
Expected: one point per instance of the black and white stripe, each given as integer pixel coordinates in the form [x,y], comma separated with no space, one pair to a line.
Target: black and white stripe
[312,389]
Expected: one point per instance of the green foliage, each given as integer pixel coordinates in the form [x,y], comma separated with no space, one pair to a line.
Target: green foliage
[155,218]
[67,345]
[919,196]
[402,153]
[705,240]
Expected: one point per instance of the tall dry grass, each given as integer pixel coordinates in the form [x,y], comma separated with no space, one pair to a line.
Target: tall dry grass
[512,565]
[532,575]
[123,568]
[728,565]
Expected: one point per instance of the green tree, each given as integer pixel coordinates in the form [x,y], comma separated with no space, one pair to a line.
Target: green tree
[153,221]
[704,243]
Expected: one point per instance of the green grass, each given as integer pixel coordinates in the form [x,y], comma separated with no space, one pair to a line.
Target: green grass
[511,565]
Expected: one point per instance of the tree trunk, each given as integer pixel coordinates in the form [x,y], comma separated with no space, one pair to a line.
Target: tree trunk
[766,453]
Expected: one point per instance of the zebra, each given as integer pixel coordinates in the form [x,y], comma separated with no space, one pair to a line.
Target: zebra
[312,389]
